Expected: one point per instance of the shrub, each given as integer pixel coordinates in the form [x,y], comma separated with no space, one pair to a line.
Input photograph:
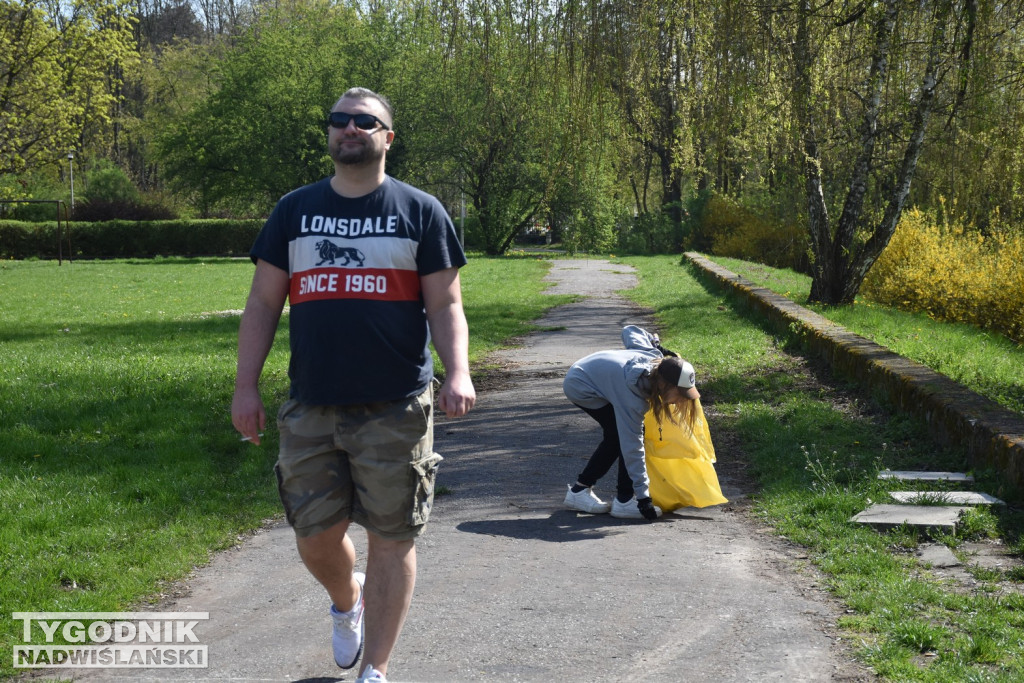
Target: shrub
[110,195]
[472,232]
[21,239]
[107,182]
[952,273]
[696,210]
[737,232]
[33,186]
[120,209]
[650,233]
[36,212]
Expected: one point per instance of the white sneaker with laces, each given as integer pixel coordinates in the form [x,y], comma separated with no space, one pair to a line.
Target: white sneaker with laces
[371,675]
[629,509]
[347,640]
[586,501]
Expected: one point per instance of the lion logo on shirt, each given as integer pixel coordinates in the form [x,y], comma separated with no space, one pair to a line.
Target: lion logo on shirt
[329,251]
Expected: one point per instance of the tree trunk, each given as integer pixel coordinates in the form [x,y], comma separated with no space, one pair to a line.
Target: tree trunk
[864,257]
[839,266]
[818,226]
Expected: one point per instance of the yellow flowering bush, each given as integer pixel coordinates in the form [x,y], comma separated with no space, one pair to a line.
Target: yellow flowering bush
[953,273]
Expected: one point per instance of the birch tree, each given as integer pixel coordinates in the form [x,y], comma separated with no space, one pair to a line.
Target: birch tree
[897,54]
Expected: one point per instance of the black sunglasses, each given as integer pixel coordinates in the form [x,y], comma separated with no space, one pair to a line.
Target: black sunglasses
[340,119]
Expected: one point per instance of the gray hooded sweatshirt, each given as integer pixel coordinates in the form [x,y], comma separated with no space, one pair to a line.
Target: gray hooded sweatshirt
[621,378]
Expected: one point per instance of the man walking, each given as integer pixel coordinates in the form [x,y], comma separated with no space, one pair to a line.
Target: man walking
[370,268]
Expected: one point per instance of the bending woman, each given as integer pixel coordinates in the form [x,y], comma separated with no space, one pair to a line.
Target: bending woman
[617,388]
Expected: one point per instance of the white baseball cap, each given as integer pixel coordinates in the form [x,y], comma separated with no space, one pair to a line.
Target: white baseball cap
[682,374]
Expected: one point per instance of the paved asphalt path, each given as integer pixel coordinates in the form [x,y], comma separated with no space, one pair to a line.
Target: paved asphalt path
[512,586]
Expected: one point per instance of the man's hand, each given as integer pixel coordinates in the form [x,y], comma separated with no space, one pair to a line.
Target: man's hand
[255,337]
[248,414]
[457,395]
[442,299]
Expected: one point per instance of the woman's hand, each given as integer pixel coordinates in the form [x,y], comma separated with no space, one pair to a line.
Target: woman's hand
[647,508]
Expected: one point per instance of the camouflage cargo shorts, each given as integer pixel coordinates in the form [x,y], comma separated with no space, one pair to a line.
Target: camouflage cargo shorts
[372,463]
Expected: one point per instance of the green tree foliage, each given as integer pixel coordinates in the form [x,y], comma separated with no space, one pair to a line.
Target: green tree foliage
[493,116]
[865,85]
[688,80]
[165,29]
[108,182]
[261,131]
[591,206]
[648,46]
[973,167]
[610,121]
[60,69]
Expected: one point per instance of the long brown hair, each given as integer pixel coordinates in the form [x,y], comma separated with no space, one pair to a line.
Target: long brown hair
[660,387]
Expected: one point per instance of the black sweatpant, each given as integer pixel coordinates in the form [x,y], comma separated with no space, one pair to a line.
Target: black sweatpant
[606,453]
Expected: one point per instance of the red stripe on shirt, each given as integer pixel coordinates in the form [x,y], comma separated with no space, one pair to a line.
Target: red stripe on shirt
[375,284]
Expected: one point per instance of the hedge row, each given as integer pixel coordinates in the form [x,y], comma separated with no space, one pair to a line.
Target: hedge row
[127,239]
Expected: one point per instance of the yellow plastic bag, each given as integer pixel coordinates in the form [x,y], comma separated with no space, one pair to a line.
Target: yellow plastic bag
[680,464]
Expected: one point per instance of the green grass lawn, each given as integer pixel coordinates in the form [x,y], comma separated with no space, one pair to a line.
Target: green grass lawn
[120,468]
[986,362]
[121,472]
[815,446]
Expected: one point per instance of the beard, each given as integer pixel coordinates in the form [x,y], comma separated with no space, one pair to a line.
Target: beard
[350,155]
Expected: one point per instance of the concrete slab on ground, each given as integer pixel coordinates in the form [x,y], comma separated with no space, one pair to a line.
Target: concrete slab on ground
[924,517]
[925,476]
[945,498]
[937,556]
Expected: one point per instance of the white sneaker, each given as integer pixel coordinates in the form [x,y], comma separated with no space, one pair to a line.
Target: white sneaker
[586,501]
[371,675]
[347,640]
[629,509]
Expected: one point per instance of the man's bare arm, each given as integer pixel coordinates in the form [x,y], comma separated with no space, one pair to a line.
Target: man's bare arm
[255,337]
[442,298]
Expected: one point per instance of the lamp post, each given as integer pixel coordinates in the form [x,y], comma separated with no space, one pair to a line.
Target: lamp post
[71,163]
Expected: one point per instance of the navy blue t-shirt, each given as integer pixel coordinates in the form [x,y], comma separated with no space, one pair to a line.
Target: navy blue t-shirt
[358,329]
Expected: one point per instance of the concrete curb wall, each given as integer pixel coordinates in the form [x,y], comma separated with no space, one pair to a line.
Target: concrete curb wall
[992,435]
